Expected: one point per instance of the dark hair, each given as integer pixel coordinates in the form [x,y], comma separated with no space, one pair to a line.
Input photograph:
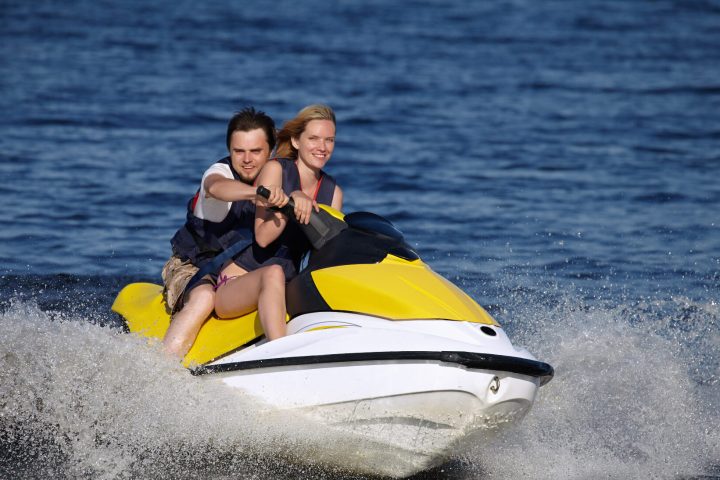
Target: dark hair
[249,119]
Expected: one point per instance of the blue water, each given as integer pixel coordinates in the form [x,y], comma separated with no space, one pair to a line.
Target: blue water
[557,160]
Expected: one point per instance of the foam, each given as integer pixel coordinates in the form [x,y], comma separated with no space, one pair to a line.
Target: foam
[635,396]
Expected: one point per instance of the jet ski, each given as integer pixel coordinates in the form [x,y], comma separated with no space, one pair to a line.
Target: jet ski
[378,346]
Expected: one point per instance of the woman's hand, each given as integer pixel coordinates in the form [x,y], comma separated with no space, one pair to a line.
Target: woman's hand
[304,205]
[277,197]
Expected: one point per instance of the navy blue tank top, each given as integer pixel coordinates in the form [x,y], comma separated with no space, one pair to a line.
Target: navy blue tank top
[289,247]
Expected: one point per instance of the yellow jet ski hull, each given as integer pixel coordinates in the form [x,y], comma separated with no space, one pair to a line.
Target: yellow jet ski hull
[143,308]
[395,289]
[383,278]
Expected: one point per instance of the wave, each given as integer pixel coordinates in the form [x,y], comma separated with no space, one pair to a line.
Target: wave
[80,400]
[635,393]
[635,396]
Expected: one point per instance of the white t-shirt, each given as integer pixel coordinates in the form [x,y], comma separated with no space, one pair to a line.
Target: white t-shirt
[208,208]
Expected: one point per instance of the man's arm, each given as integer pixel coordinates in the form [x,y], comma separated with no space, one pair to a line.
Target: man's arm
[228,190]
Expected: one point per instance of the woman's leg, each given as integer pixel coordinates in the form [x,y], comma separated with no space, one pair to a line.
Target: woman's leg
[262,289]
[186,324]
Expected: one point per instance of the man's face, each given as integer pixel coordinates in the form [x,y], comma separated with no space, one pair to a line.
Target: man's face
[249,152]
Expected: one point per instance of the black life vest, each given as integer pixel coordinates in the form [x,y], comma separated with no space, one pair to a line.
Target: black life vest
[289,247]
[201,240]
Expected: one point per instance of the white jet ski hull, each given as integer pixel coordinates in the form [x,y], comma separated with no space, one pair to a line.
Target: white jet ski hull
[409,387]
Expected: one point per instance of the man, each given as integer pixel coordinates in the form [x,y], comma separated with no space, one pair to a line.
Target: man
[220,216]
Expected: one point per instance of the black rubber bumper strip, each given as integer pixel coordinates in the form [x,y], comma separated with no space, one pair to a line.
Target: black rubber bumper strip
[473,360]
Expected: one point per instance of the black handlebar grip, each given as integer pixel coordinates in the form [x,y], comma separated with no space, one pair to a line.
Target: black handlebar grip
[288,209]
[263,192]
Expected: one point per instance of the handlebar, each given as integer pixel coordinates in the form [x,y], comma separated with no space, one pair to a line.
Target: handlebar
[288,209]
[322,226]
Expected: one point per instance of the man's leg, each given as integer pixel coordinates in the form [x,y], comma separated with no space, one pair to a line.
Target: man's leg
[186,324]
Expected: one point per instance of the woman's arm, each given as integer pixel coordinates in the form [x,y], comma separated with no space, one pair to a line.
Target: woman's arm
[268,224]
[337,200]
[304,205]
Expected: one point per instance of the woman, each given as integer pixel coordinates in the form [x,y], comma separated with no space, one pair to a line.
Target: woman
[305,144]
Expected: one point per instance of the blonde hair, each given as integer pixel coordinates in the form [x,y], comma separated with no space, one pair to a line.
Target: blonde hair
[295,127]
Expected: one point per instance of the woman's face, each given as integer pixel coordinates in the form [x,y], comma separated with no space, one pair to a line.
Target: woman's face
[316,143]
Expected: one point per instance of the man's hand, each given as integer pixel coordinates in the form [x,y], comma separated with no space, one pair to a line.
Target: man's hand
[277,197]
